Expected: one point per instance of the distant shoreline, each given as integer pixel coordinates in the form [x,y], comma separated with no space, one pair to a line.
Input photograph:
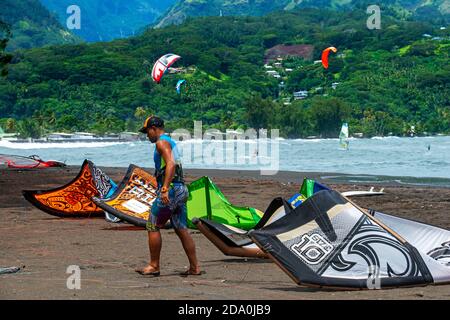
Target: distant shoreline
[22,141]
[113,140]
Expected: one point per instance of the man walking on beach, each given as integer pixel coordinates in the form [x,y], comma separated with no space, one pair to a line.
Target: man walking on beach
[171,200]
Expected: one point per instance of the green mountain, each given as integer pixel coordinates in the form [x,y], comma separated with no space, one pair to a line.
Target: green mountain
[202,8]
[32,25]
[379,81]
[105,20]
[194,8]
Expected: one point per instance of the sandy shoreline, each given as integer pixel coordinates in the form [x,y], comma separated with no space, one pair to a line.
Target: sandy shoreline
[107,254]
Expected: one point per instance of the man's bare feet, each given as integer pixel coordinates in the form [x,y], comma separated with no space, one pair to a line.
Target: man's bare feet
[192,272]
[148,271]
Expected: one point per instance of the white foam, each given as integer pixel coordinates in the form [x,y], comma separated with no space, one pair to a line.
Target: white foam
[61,145]
[387,138]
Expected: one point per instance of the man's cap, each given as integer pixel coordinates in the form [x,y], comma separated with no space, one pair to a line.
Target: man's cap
[152,121]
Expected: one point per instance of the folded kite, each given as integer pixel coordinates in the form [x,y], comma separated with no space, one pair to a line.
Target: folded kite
[330,242]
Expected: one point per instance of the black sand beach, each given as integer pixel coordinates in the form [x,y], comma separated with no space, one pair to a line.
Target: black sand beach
[108,253]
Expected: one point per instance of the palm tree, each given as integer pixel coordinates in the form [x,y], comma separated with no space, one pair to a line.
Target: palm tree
[10,125]
[140,113]
[51,118]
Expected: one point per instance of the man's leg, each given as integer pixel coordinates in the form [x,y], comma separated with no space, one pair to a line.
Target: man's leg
[179,222]
[156,218]
[154,245]
[189,248]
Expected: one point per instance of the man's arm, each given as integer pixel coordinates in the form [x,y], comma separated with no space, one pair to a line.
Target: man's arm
[165,150]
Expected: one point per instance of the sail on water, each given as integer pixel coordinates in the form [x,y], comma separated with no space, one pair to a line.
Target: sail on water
[343,137]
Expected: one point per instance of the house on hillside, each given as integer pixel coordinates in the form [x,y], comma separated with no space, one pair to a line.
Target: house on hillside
[299,95]
[318,89]
[280,52]
[286,101]
[273,73]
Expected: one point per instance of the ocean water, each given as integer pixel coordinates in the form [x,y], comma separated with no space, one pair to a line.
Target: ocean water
[382,157]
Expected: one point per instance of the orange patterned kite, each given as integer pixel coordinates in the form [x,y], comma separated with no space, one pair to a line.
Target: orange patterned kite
[134,197]
[74,198]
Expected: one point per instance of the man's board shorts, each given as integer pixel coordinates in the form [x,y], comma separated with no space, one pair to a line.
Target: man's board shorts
[175,210]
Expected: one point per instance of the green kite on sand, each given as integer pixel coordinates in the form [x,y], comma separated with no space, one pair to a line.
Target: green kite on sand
[207,201]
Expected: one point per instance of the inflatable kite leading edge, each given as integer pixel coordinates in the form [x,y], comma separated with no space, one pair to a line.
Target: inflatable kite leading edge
[133,198]
[329,242]
[233,241]
[74,198]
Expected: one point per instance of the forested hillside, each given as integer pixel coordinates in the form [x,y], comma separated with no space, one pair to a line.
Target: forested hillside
[438,10]
[32,25]
[388,79]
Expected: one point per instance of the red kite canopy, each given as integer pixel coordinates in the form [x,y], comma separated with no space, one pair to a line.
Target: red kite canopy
[31,162]
[162,65]
[325,54]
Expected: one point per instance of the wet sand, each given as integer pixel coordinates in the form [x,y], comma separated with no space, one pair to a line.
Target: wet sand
[108,253]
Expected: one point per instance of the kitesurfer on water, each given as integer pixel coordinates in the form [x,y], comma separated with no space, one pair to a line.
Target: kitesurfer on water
[171,200]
